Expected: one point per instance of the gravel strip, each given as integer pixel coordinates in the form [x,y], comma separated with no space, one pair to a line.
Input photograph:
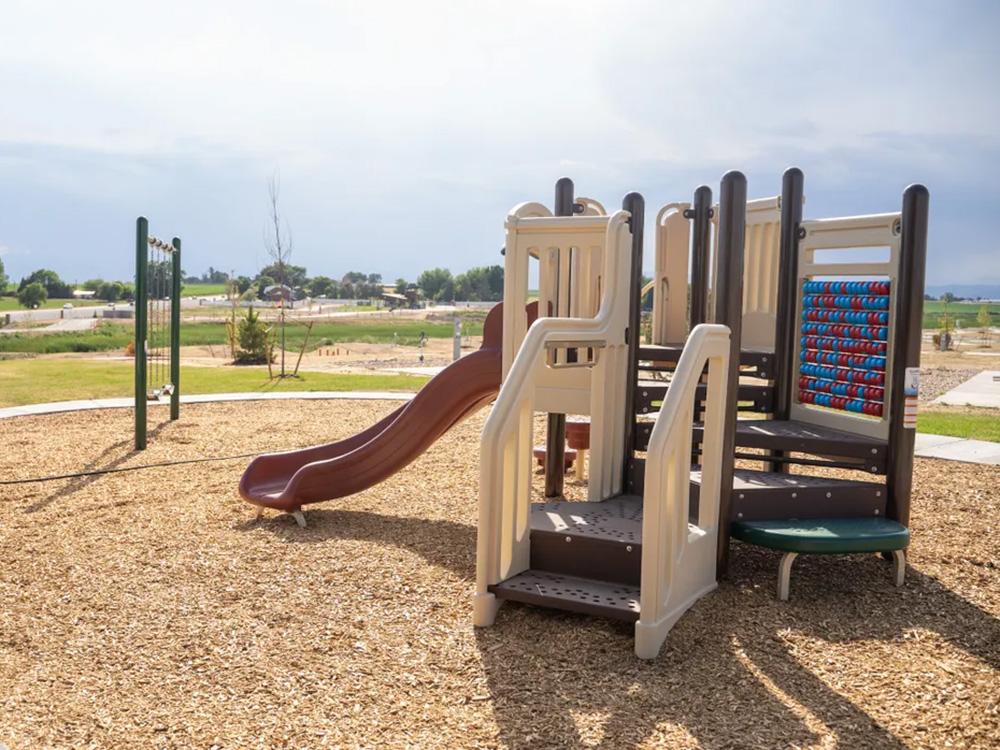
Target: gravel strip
[150,609]
[935,381]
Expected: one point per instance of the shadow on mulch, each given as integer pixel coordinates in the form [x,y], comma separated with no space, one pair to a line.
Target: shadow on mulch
[100,463]
[726,674]
[446,544]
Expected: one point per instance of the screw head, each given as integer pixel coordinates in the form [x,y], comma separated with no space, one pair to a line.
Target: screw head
[569,539]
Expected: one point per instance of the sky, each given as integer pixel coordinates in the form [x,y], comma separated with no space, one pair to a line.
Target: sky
[404,132]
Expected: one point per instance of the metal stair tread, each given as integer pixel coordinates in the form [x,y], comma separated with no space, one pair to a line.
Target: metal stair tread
[748,480]
[791,435]
[572,594]
[617,519]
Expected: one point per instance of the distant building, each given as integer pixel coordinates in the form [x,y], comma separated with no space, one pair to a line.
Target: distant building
[395,299]
[83,294]
[277,292]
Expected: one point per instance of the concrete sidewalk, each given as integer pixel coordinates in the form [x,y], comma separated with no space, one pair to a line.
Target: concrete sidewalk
[957,449]
[981,390]
[57,407]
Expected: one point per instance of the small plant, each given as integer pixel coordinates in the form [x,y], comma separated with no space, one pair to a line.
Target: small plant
[945,326]
[254,339]
[984,322]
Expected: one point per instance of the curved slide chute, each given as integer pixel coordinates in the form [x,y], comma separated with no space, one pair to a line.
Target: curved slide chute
[287,481]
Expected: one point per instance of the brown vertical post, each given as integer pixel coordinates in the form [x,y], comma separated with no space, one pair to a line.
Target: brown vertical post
[786,326]
[729,312]
[636,206]
[701,233]
[555,433]
[909,293]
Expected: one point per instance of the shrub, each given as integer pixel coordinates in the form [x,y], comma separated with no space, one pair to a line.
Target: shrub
[254,338]
[32,295]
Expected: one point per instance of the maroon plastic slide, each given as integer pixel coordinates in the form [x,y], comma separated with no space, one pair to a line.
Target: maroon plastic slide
[287,481]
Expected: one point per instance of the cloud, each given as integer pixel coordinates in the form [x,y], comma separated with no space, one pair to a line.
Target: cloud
[404,132]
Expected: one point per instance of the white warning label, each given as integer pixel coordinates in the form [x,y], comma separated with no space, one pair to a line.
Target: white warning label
[911,391]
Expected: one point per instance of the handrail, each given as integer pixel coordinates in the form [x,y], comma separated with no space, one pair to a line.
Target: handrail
[505,463]
[666,537]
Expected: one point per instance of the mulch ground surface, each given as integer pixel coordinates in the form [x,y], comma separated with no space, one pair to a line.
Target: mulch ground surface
[150,609]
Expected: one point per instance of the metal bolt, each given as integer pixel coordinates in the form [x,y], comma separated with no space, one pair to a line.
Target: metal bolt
[569,539]
[795,495]
[878,493]
[739,515]
[741,496]
[876,511]
[829,494]
[874,451]
[628,548]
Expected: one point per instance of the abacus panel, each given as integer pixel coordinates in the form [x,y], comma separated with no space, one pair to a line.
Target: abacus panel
[844,344]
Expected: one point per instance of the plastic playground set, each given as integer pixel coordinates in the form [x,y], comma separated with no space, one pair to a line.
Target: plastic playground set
[775,342]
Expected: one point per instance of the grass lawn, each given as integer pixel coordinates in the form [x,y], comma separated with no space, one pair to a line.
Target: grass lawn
[202,290]
[964,313]
[9,304]
[978,424]
[32,381]
[110,336]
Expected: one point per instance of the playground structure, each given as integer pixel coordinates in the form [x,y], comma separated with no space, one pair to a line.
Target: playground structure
[157,324]
[823,353]
[827,361]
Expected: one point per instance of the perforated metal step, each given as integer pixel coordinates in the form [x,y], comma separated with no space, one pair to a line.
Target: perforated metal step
[765,495]
[572,594]
[761,360]
[809,438]
[592,540]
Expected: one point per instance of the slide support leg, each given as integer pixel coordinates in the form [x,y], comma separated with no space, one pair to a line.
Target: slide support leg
[898,566]
[785,574]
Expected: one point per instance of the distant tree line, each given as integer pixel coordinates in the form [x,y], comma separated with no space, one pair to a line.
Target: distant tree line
[479,284]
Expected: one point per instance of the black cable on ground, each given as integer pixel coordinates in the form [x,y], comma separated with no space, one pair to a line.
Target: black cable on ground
[98,472]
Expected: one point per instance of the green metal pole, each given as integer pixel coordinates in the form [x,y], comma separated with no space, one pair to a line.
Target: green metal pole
[141,311]
[175,331]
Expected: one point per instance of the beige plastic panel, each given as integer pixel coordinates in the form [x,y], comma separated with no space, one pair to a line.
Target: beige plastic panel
[678,557]
[670,274]
[503,544]
[845,233]
[761,250]
[591,206]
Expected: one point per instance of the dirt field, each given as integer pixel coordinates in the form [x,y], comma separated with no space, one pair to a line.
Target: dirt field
[150,609]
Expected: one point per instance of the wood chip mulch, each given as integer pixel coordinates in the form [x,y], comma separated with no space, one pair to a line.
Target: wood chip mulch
[149,609]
